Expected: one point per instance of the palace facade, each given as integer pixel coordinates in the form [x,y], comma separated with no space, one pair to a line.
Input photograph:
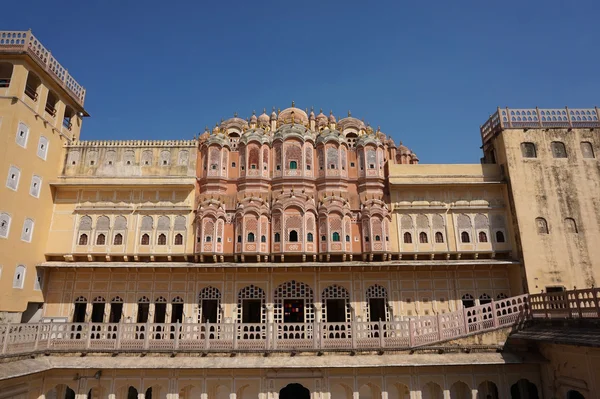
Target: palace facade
[290,255]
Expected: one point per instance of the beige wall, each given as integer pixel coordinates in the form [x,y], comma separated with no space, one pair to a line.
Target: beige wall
[410,292]
[555,189]
[16,107]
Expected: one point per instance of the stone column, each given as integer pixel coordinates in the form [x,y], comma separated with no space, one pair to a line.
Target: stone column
[270,312]
[318,311]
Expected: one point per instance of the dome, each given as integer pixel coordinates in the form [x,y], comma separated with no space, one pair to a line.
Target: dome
[263,119]
[321,119]
[253,118]
[331,117]
[298,115]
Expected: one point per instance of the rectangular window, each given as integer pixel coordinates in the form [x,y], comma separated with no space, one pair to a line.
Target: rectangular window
[39,280]
[558,149]
[36,186]
[22,135]
[27,232]
[42,150]
[12,180]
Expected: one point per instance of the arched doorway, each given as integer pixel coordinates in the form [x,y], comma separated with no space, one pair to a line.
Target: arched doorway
[294,391]
[524,389]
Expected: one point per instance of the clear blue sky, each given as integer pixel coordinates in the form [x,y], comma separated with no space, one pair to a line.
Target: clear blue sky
[429,73]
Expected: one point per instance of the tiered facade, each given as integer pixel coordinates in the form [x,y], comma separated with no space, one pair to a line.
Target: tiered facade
[289,255]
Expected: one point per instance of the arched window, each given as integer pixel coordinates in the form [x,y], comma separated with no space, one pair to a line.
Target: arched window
[118,240]
[587,150]
[500,236]
[208,239]
[250,237]
[484,298]
[239,238]
[347,238]
[482,236]
[528,150]
[323,238]
[439,238]
[464,237]
[101,239]
[468,301]
[570,225]
[145,239]
[19,278]
[83,239]
[423,238]
[263,238]
[558,149]
[293,236]
[407,238]
[4,224]
[162,239]
[309,237]
[277,237]
[293,165]
[542,225]
[335,237]
[377,238]
[178,239]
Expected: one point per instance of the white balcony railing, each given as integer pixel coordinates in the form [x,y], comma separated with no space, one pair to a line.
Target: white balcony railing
[16,339]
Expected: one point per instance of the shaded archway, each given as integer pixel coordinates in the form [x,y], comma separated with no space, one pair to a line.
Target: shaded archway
[575,395]
[487,390]
[294,391]
[524,389]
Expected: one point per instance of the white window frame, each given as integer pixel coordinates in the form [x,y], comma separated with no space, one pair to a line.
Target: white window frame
[30,237]
[38,284]
[25,128]
[17,172]
[43,153]
[9,224]
[22,280]
[31,187]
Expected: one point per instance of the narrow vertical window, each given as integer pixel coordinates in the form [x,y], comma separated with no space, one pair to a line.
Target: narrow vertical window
[83,239]
[423,238]
[27,230]
[407,238]
[19,277]
[464,237]
[500,236]
[12,180]
[22,135]
[570,225]
[482,237]
[558,149]
[5,220]
[542,225]
[145,239]
[118,240]
[587,150]
[36,185]
[439,238]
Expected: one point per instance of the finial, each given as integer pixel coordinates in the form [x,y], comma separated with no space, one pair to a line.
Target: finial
[253,112]
[312,108]
[264,110]
[222,120]
[378,128]
[330,112]
[235,114]
[293,104]
[321,110]
[273,109]
[278,110]
[349,113]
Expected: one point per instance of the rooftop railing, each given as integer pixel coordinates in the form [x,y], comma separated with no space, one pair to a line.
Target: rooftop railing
[18,339]
[519,118]
[26,42]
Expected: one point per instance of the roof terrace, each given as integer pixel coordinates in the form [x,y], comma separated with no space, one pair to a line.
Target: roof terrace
[531,118]
[24,42]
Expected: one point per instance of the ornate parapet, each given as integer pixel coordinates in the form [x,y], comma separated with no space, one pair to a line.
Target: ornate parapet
[531,118]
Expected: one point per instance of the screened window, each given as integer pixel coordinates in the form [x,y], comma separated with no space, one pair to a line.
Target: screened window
[263,238]
[336,236]
[83,239]
[482,237]
[558,149]
[439,238]
[423,238]
[162,239]
[250,237]
[407,238]
[178,239]
[145,239]
[19,277]
[309,237]
[277,237]
[101,239]
[118,240]
[293,165]
[528,150]
[22,135]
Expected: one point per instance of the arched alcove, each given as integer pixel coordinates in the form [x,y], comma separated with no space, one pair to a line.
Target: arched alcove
[294,391]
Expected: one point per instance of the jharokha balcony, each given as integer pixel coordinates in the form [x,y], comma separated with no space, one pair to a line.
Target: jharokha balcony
[24,42]
[353,336]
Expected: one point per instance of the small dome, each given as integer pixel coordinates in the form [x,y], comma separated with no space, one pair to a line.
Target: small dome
[331,117]
[253,118]
[321,119]
[263,119]
[311,116]
[293,113]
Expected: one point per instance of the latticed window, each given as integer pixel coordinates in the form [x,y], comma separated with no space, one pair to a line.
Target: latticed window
[250,237]
[407,238]
[162,239]
[145,239]
[558,149]
[293,165]
[468,301]
[83,239]
[101,239]
[309,237]
[294,303]
[118,240]
[377,308]
[484,298]
[209,302]
[423,238]
[528,150]
[251,302]
[336,236]
[336,305]
[439,238]
[263,238]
